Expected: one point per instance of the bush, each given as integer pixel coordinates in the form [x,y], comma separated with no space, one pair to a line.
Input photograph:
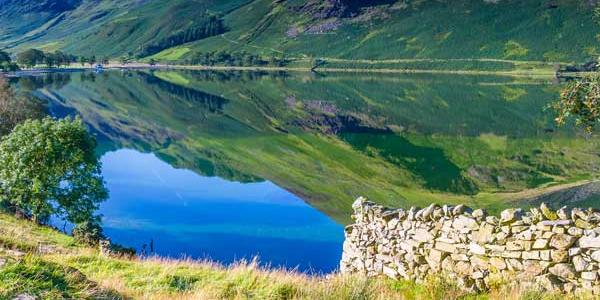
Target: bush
[88,232]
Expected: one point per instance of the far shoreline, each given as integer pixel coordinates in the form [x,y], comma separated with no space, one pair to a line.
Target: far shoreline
[141,66]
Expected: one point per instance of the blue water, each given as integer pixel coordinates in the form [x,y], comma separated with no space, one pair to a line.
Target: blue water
[188,215]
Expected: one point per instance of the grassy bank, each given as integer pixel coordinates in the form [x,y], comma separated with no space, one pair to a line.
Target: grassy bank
[42,262]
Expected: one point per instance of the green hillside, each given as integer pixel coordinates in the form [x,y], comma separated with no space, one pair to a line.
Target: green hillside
[482,34]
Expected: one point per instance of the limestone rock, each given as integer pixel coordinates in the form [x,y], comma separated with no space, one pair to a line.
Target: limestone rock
[589,242]
[510,215]
[563,270]
[547,212]
[562,241]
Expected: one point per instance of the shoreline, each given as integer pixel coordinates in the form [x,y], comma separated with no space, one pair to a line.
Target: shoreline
[137,66]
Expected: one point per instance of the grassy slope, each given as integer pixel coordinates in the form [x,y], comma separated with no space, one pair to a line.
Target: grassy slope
[525,31]
[508,35]
[65,270]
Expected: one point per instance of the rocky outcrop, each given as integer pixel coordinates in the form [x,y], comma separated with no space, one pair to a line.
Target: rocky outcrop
[555,250]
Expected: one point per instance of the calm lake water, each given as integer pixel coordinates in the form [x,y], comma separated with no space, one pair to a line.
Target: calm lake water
[229,166]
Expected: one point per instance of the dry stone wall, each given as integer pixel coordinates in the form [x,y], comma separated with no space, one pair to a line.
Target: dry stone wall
[556,250]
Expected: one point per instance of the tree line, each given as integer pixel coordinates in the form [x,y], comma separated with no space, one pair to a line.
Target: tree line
[210,25]
[6,63]
[239,59]
[34,57]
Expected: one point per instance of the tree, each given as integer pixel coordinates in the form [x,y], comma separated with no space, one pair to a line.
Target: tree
[49,167]
[31,57]
[15,110]
[580,99]
[4,57]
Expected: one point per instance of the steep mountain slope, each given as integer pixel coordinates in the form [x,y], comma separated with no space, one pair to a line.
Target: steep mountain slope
[540,30]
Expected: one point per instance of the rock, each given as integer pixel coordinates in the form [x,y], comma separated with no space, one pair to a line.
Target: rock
[563,213]
[459,209]
[548,282]
[476,249]
[595,255]
[389,272]
[574,251]
[445,247]
[358,203]
[555,223]
[545,255]
[579,263]
[427,212]
[562,241]
[559,256]
[510,215]
[590,276]
[547,212]
[531,255]
[532,268]
[583,224]
[480,262]
[423,235]
[485,233]
[563,270]
[463,222]
[574,231]
[478,214]
[540,244]
[498,263]
[589,242]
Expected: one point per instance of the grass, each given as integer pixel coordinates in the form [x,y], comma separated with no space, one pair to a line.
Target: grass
[78,272]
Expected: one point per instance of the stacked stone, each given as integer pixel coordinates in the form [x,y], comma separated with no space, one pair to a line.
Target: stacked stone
[556,250]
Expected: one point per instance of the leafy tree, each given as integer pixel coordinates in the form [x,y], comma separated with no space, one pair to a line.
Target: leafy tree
[4,57]
[580,99]
[31,57]
[15,110]
[49,167]
[92,60]
[83,60]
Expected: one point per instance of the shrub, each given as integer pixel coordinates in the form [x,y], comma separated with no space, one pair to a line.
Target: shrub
[88,232]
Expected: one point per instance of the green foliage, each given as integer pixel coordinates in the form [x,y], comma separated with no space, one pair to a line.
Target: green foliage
[580,100]
[49,167]
[88,232]
[14,110]
[33,57]
[240,59]
[4,57]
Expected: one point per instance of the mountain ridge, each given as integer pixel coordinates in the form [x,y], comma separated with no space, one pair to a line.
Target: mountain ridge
[180,30]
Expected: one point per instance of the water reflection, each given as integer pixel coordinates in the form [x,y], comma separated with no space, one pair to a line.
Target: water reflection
[184,214]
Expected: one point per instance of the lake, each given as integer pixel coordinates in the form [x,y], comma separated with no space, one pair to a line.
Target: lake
[230,166]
